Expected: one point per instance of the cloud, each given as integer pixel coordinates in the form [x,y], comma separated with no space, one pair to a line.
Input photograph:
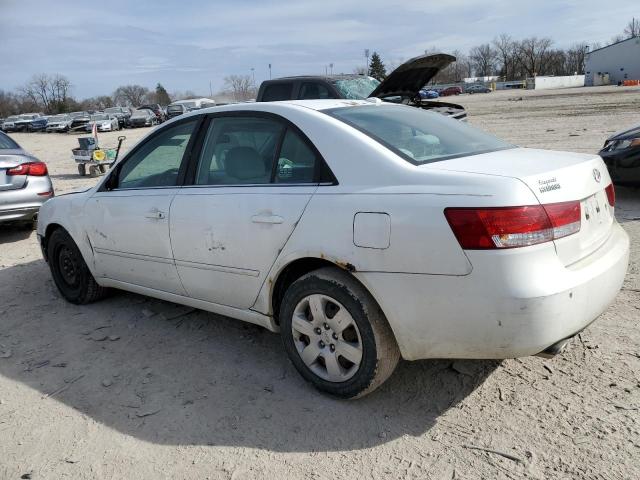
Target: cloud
[187,44]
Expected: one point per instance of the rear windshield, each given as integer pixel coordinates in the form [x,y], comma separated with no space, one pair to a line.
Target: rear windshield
[417,135]
[174,108]
[356,88]
[6,143]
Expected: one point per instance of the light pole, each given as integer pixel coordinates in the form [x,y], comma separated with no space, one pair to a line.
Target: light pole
[331,68]
[253,75]
[366,56]
[269,71]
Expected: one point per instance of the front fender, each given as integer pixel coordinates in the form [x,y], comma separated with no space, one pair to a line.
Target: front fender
[67,211]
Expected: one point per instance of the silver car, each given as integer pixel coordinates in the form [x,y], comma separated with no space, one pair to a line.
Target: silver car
[24,183]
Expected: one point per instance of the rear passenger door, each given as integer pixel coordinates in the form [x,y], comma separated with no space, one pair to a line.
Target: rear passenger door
[253,179]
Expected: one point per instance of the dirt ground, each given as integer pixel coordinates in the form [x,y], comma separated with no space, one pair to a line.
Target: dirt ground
[132,387]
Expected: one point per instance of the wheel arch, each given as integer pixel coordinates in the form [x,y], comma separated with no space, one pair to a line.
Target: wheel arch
[297,267]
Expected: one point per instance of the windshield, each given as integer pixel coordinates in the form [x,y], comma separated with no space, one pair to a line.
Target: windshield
[357,88]
[112,110]
[58,118]
[28,117]
[7,143]
[100,117]
[12,118]
[417,135]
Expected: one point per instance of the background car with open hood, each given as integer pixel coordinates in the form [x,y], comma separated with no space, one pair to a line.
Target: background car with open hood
[403,85]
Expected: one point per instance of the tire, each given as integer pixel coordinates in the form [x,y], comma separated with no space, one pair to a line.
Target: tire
[69,270]
[94,171]
[82,169]
[367,340]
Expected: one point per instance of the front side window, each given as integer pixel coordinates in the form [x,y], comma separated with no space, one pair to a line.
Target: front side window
[239,151]
[157,162]
[417,135]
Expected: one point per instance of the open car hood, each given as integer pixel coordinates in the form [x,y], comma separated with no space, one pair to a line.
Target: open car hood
[632,132]
[411,76]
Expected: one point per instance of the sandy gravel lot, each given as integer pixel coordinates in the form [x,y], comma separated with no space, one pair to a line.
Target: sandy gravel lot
[132,387]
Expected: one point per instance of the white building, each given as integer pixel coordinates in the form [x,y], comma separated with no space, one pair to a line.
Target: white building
[614,63]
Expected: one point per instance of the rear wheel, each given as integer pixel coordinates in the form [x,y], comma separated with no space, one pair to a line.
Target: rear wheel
[336,334]
[69,270]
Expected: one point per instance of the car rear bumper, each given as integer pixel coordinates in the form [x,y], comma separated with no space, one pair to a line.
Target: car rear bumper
[514,303]
[24,203]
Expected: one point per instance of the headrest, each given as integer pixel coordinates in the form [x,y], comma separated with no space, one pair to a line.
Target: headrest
[244,163]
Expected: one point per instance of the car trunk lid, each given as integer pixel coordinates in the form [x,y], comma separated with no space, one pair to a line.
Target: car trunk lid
[553,177]
[10,159]
[411,76]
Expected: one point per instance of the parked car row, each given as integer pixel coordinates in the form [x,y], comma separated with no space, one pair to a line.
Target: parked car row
[111,119]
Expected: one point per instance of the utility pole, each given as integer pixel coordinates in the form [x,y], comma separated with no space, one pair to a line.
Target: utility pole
[269,71]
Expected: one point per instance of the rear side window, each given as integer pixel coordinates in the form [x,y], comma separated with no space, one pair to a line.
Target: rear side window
[313,91]
[157,162]
[296,161]
[239,151]
[6,143]
[277,91]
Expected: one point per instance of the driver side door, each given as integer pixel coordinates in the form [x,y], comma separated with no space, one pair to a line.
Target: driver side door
[128,222]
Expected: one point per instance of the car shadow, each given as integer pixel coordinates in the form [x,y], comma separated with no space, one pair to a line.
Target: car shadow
[627,204]
[14,232]
[172,375]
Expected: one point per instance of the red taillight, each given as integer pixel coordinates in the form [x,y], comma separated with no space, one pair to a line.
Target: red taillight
[35,169]
[511,227]
[611,195]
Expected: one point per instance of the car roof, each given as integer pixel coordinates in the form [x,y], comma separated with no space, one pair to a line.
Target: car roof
[266,106]
[343,76]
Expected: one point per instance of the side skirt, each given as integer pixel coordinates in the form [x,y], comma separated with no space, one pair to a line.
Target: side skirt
[249,316]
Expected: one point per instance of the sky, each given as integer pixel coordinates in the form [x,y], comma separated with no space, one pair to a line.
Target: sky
[190,45]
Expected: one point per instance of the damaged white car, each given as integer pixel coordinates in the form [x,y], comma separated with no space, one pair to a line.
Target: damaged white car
[362,231]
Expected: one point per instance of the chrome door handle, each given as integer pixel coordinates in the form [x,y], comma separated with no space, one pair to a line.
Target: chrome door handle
[267,219]
[155,215]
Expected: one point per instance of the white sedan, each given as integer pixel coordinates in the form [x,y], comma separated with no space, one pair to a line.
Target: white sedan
[361,231]
[104,123]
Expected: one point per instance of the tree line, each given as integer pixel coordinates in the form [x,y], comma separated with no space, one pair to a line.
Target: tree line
[512,59]
[51,94]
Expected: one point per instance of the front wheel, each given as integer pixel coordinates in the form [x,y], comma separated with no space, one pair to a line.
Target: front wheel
[336,335]
[69,270]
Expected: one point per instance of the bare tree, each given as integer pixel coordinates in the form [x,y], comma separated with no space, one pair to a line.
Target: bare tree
[633,28]
[240,86]
[483,58]
[49,93]
[575,56]
[360,70]
[505,49]
[531,54]
[130,95]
